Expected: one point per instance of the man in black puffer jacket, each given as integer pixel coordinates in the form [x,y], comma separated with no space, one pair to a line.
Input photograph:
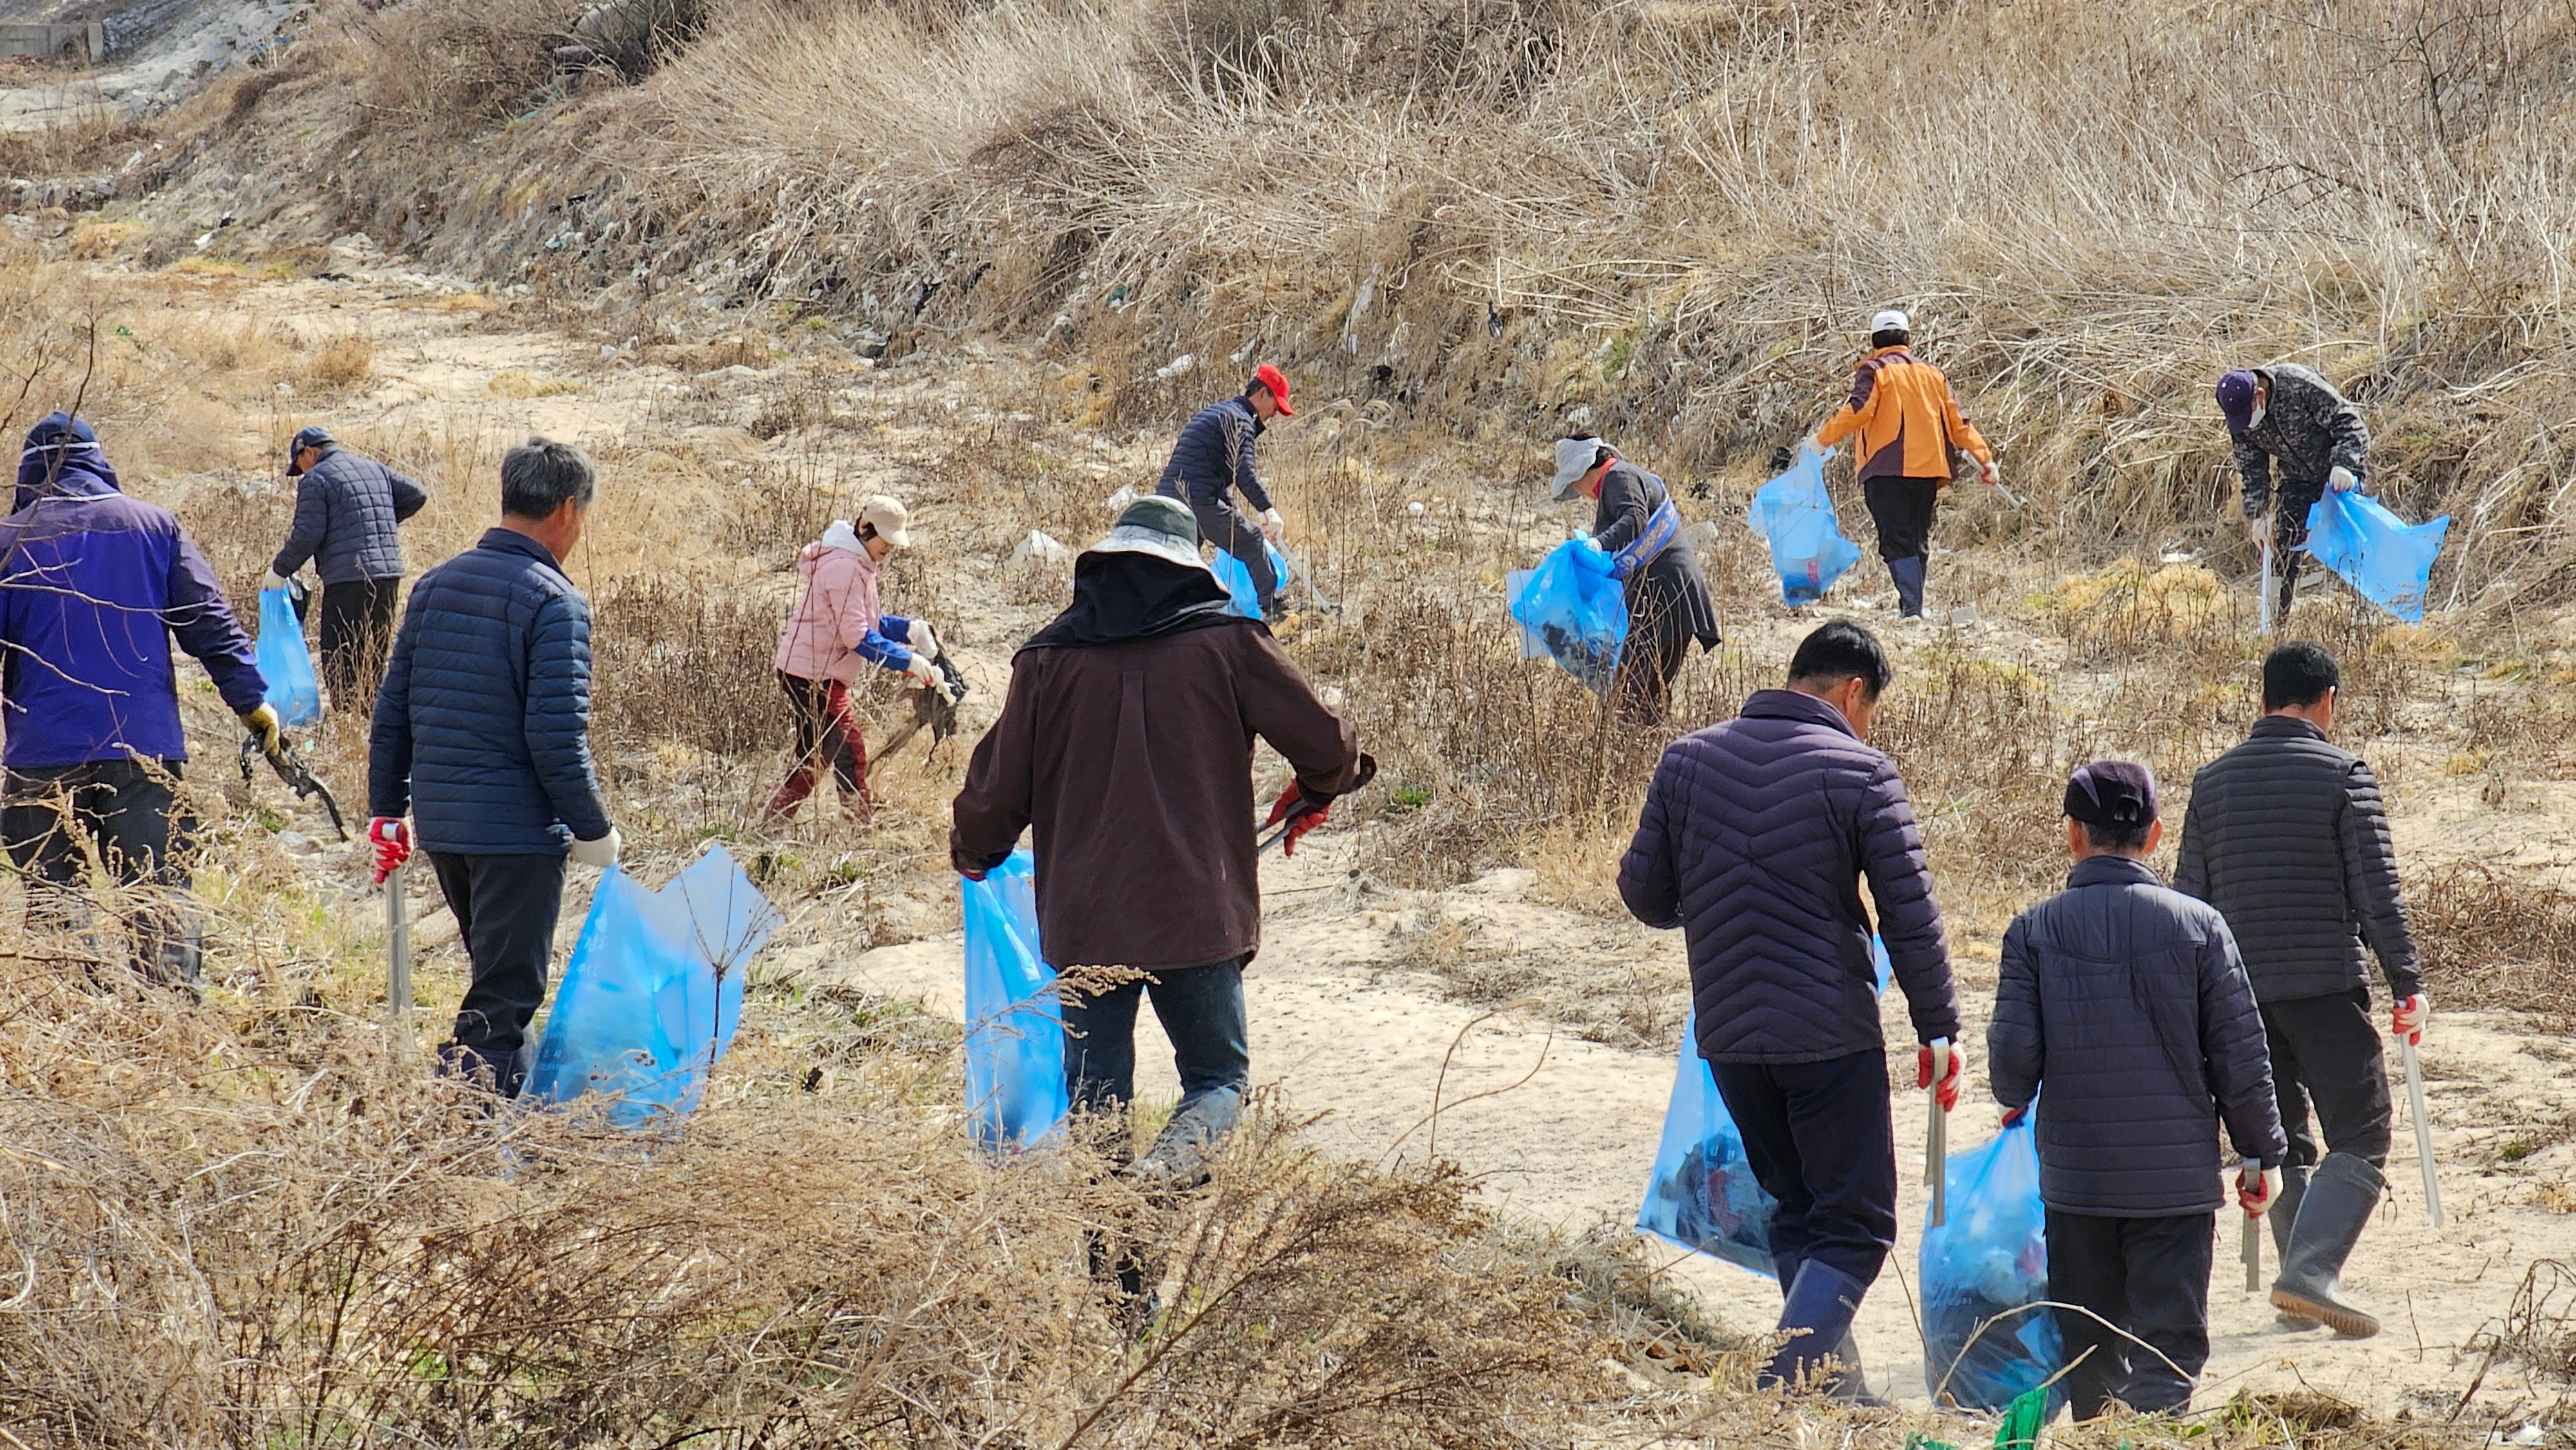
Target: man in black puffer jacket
[348,510]
[2127,1002]
[1755,838]
[2287,837]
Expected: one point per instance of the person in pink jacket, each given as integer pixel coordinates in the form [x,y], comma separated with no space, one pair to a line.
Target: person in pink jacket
[836,631]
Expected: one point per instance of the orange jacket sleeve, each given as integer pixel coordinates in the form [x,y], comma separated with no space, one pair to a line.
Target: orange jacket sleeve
[1963,434]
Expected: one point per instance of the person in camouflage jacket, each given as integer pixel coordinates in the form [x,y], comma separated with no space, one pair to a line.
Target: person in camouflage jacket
[2289,413]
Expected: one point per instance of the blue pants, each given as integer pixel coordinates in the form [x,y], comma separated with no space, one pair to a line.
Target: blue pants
[1201,1009]
[1819,1140]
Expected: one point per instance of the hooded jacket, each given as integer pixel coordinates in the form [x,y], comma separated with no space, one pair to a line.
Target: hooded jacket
[836,628]
[93,586]
[1908,419]
[1754,839]
[482,725]
[2123,1007]
[1213,458]
[1125,747]
[347,511]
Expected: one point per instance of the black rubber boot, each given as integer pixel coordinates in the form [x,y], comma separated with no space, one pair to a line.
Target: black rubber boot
[1908,576]
[1179,1157]
[2294,1187]
[1850,1385]
[1817,1318]
[2340,1195]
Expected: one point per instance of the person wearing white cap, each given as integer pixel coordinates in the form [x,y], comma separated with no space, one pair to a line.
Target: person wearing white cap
[837,631]
[1636,523]
[1911,428]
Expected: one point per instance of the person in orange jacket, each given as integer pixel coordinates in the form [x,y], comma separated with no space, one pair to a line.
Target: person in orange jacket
[1910,426]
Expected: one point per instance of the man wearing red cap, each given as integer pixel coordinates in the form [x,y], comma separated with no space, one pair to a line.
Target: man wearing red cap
[1213,458]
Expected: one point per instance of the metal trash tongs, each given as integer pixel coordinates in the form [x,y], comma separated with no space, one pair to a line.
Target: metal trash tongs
[1936,1137]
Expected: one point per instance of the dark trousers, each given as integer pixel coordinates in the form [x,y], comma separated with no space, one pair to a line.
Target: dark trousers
[828,737]
[357,634]
[2325,1050]
[1220,525]
[125,814]
[2149,1276]
[1902,509]
[1659,639]
[1820,1142]
[1201,1009]
[2291,500]
[505,910]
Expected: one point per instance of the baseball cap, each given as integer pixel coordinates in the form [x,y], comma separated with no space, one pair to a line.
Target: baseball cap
[2113,793]
[1890,320]
[890,519]
[316,437]
[1158,526]
[2236,400]
[1573,460]
[1269,376]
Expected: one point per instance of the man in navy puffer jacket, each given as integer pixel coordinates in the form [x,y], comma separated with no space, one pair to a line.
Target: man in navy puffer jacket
[1212,460]
[2127,1001]
[482,732]
[1754,840]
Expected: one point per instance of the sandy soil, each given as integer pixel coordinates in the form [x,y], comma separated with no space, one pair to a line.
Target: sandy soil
[1347,1024]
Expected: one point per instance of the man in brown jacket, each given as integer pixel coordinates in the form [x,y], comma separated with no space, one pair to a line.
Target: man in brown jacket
[1126,747]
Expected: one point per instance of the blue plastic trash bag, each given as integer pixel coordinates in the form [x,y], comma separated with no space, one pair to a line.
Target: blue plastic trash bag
[284,661]
[1796,515]
[653,994]
[1014,1033]
[1237,580]
[1990,1263]
[1571,609]
[2389,561]
[1702,1196]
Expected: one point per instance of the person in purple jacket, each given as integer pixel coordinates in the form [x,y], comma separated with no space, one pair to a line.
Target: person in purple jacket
[1755,838]
[93,585]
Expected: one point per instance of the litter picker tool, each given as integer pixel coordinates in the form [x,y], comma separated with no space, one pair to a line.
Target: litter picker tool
[1936,1136]
[1297,567]
[2264,605]
[2251,1249]
[934,708]
[1306,806]
[299,777]
[398,954]
[2423,1133]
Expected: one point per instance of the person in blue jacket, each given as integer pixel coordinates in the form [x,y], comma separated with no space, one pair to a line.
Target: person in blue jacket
[482,734]
[2127,1002]
[93,586]
[1212,460]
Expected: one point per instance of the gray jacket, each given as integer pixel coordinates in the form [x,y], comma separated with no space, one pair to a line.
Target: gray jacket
[346,510]
[2309,427]
[2287,837]
[2127,1003]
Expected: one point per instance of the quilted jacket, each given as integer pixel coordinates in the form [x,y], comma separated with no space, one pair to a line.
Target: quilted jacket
[1908,419]
[837,629]
[1214,457]
[482,727]
[346,510]
[2309,427]
[2125,1004]
[2286,836]
[1754,840]
[93,585]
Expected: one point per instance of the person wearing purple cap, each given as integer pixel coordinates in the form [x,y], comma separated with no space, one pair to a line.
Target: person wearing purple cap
[2128,1002]
[2288,413]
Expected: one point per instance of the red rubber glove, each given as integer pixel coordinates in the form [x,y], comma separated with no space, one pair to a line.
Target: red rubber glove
[1948,1096]
[2257,1188]
[391,840]
[2013,1116]
[1288,807]
[2406,1019]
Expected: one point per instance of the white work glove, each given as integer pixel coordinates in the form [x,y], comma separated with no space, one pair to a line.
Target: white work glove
[601,853]
[2341,480]
[271,580]
[924,674]
[923,642]
[1809,444]
[2259,528]
[2257,1188]
[1273,527]
[2406,1020]
[1991,473]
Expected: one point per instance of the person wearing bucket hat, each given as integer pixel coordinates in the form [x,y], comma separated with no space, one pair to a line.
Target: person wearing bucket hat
[1910,429]
[837,631]
[2125,1003]
[348,511]
[2290,414]
[1124,750]
[1212,461]
[1636,522]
